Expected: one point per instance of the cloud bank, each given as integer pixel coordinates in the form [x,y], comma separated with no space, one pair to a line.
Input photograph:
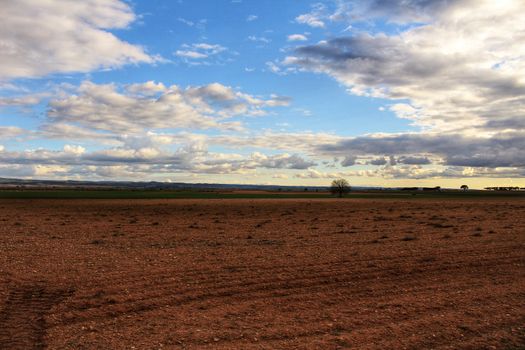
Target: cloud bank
[38,38]
[457,72]
[455,69]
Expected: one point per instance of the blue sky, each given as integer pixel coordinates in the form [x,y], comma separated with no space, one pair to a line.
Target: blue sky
[293,92]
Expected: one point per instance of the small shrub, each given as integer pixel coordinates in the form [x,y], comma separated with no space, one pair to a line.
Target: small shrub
[427,259]
[439,225]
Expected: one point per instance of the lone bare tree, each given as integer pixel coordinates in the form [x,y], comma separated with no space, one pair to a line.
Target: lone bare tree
[340,187]
[464,187]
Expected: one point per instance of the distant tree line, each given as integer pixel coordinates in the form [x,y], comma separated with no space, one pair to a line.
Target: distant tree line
[505,188]
[340,187]
[437,188]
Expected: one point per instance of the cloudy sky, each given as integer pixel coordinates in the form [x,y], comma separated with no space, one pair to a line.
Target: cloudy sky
[381,92]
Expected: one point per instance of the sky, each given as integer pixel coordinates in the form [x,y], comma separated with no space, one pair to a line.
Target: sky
[295,92]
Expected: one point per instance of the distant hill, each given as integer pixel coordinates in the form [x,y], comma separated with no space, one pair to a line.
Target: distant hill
[10,183]
[151,185]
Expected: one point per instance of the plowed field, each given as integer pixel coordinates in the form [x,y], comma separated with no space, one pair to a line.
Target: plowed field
[262,274]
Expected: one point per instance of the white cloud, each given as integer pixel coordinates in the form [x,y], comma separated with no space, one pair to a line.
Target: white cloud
[462,70]
[198,24]
[260,39]
[144,161]
[279,68]
[251,18]
[60,36]
[307,142]
[7,132]
[148,106]
[315,18]
[24,100]
[273,67]
[199,51]
[76,150]
[6,86]
[190,54]
[186,22]
[213,48]
[297,37]
[282,161]
[148,88]
[417,172]
[316,174]
[34,171]
[458,76]
[310,20]
[74,133]
[303,111]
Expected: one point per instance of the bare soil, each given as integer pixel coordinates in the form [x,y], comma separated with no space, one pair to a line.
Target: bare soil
[262,274]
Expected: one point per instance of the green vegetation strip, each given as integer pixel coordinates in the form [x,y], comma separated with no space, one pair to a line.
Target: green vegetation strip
[155,194]
[126,194]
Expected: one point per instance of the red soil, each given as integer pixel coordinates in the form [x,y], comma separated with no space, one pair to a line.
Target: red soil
[262,274]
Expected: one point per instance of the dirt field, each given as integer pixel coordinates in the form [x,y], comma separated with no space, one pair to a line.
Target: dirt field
[262,274]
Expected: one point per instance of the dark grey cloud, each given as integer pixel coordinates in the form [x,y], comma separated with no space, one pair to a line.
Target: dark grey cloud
[463,86]
[503,150]
[414,160]
[446,75]
[393,11]
[348,161]
[286,162]
[401,11]
[378,161]
[507,123]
